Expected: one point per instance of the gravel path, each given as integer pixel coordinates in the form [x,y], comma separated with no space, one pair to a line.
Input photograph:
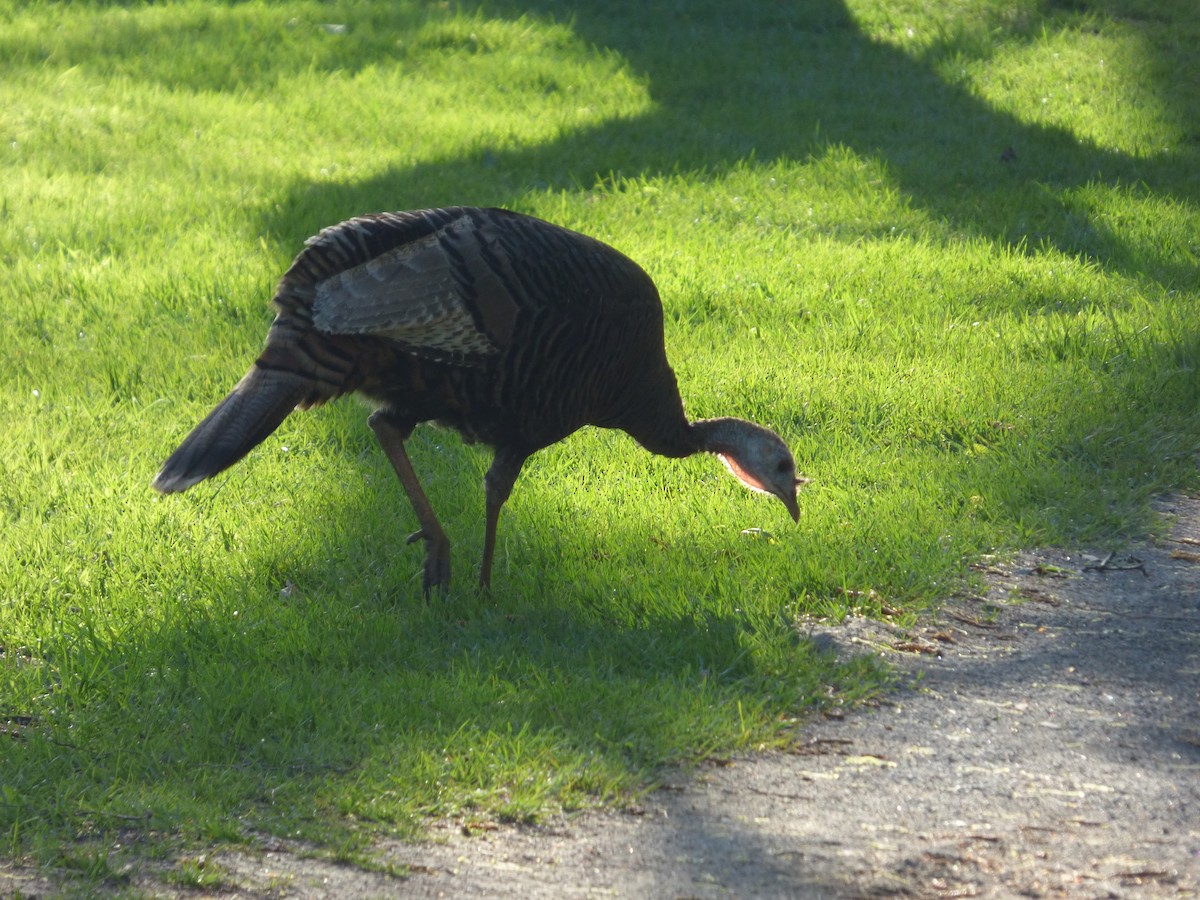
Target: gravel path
[1049,747]
[1046,744]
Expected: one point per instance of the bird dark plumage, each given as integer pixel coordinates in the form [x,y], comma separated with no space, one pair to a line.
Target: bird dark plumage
[512,331]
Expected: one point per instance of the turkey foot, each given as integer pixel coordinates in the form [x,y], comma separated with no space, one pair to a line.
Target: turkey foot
[437,560]
[391,436]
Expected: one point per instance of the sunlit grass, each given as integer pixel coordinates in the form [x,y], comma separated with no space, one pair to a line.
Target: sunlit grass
[971,313]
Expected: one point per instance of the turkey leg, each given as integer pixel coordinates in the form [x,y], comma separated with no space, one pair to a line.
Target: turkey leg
[391,438]
[497,485]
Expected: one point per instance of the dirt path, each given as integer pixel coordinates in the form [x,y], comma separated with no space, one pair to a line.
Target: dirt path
[1047,745]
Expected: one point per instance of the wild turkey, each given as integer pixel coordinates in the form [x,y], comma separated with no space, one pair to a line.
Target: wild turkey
[512,331]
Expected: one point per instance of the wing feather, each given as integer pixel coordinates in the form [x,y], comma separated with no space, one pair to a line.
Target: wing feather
[447,292]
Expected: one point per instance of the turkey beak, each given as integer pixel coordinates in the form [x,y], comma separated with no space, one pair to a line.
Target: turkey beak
[789,500]
[792,506]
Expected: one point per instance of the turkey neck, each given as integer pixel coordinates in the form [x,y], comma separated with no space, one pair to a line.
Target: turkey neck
[676,437]
[664,428]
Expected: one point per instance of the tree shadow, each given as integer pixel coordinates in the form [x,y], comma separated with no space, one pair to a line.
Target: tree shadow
[349,688]
[759,83]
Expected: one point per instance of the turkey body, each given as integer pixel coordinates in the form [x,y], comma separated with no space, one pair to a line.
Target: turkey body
[510,330]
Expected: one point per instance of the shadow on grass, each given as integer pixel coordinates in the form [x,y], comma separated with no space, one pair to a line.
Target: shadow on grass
[320,694]
[736,84]
[748,85]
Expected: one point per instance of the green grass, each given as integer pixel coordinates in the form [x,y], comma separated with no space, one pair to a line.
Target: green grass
[968,354]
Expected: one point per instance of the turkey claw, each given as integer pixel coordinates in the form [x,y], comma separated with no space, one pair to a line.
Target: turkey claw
[437,561]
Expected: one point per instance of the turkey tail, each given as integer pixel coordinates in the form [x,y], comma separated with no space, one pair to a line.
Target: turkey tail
[251,412]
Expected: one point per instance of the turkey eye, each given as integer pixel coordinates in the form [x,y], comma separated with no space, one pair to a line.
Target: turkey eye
[783,466]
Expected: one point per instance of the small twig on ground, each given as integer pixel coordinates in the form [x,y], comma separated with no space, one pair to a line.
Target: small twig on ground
[916,647]
[778,794]
[1106,565]
[969,620]
[118,817]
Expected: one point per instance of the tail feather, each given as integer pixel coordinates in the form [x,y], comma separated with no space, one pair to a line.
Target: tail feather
[240,422]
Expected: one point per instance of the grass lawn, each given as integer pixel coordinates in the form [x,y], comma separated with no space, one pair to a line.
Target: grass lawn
[949,251]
